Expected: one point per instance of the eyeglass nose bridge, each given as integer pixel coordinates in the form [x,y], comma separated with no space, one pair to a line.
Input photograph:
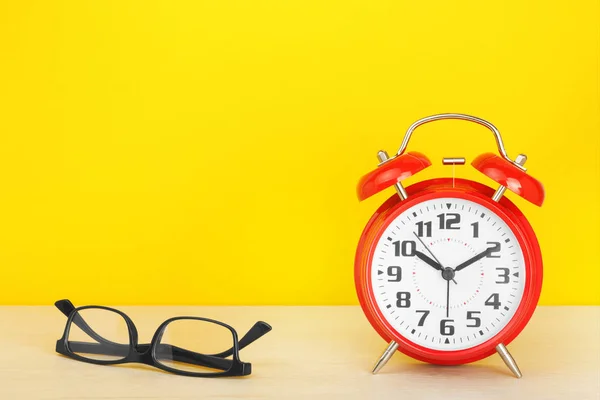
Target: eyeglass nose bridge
[142,354]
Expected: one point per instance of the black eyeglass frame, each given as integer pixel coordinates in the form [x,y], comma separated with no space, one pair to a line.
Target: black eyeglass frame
[146,353]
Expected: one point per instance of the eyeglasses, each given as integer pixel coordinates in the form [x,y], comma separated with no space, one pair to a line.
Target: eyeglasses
[190,346]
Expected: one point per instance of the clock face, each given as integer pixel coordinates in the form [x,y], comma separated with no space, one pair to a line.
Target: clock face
[448,274]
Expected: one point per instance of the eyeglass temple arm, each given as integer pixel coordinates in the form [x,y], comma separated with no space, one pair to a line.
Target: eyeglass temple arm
[175,353]
[256,332]
[66,307]
[191,357]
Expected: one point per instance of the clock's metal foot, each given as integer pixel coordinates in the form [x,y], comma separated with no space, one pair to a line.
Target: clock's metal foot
[509,360]
[385,357]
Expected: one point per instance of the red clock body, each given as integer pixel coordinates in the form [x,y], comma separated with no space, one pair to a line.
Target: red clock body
[490,286]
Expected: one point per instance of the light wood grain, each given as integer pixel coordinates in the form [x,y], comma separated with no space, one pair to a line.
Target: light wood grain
[312,353]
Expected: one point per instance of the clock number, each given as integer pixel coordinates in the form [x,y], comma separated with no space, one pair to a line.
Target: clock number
[475,226]
[493,300]
[494,248]
[395,273]
[425,314]
[448,220]
[445,329]
[403,299]
[427,226]
[504,275]
[407,249]
[476,320]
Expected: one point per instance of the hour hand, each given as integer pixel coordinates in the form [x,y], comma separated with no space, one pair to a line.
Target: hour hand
[428,260]
[472,260]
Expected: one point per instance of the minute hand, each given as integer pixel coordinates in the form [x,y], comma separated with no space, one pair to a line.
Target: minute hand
[472,260]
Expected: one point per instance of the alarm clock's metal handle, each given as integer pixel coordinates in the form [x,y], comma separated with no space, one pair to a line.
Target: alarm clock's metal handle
[465,117]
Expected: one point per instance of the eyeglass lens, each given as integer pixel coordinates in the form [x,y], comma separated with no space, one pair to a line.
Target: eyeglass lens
[186,343]
[99,334]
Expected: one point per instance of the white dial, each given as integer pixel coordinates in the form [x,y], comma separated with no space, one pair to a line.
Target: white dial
[448,274]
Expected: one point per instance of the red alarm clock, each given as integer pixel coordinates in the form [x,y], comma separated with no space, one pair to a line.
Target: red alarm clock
[449,271]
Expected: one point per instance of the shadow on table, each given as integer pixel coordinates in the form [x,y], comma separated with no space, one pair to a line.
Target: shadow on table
[492,366]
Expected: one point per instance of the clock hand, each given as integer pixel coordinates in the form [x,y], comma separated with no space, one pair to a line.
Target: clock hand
[428,260]
[427,248]
[472,260]
[439,265]
[447,299]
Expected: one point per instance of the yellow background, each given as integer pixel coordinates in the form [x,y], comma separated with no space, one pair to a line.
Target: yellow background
[207,152]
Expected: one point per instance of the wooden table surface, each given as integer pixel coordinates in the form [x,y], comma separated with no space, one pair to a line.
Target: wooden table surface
[312,353]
